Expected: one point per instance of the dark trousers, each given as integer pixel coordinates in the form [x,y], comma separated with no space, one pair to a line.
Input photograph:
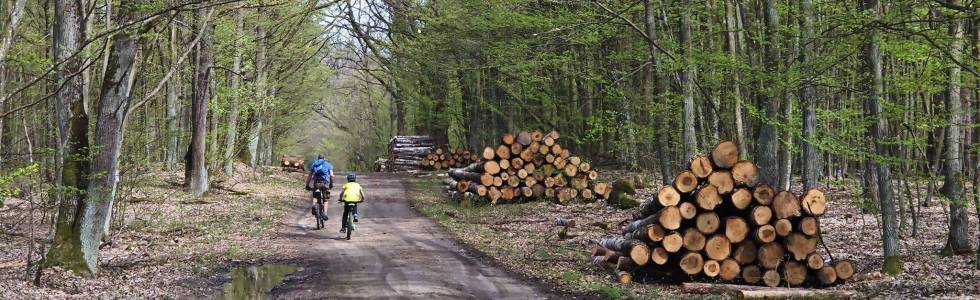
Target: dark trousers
[347,209]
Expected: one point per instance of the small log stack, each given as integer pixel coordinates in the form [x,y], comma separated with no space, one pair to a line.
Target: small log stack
[528,165]
[451,158]
[406,152]
[717,221]
[293,162]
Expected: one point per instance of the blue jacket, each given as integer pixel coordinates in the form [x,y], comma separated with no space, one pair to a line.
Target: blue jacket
[321,170]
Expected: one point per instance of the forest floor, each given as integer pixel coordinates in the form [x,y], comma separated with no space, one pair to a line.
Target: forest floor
[165,244]
[524,238]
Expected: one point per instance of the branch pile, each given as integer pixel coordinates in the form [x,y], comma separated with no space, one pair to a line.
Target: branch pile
[526,166]
[451,158]
[406,152]
[718,222]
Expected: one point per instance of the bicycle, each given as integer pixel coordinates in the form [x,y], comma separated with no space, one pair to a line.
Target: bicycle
[349,217]
[318,212]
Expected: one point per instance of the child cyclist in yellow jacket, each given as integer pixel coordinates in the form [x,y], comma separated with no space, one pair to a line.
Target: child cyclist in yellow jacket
[351,192]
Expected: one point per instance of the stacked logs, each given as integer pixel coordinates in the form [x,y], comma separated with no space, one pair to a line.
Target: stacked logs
[451,158]
[717,221]
[529,165]
[406,152]
[293,162]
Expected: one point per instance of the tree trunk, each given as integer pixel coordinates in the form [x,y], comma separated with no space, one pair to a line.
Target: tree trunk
[260,92]
[687,80]
[66,246]
[811,155]
[8,39]
[767,144]
[173,105]
[199,110]
[733,28]
[957,241]
[654,87]
[879,134]
[112,110]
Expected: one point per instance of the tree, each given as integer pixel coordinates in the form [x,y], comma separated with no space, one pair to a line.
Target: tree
[197,172]
[687,81]
[879,132]
[957,241]
[811,155]
[654,87]
[231,137]
[767,143]
[260,95]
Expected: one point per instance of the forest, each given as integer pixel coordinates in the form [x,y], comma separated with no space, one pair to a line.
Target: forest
[100,96]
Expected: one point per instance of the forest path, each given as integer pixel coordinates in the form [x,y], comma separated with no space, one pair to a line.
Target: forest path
[394,253]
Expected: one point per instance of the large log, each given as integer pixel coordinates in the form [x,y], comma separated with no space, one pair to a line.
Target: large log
[745,252]
[745,173]
[722,180]
[736,229]
[794,273]
[635,249]
[700,165]
[685,182]
[694,240]
[718,247]
[725,154]
[844,269]
[814,203]
[770,255]
[785,205]
[708,222]
[460,174]
[763,193]
[691,263]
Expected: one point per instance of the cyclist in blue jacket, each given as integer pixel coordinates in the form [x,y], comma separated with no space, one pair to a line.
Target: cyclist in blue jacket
[321,173]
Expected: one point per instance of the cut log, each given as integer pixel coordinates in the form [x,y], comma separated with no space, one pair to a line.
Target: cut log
[685,182]
[460,174]
[585,167]
[800,246]
[507,138]
[783,227]
[494,194]
[725,154]
[524,138]
[808,226]
[498,181]
[814,261]
[571,170]
[701,166]
[537,135]
[827,275]
[785,205]
[745,252]
[771,278]
[722,180]
[601,189]
[670,217]
[516,149]
[693,240]
[730,269]
[692,263]
[763,193]
[668,196]
[491,167]
[794,273]
[488,154]
[688,210]
[718,247]
[504,164]
[635,249]
[751,274]
[814,203]
[757,292]
[770,255]
[503,152]
[625,264]
[544,148]
[745,173]
[760,215]
[660,256]
[765,233]
[708,197]
[673,242]
[741,198]
[708,222]
[736,229]
[844,269]
[624,277]
[711,268]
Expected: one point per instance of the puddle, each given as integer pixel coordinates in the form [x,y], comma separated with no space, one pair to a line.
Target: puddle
[254,282]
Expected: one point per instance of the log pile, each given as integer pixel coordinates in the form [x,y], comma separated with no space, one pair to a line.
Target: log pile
[406,152]
[718,222]
[528,165]
[451,158]
[293,162]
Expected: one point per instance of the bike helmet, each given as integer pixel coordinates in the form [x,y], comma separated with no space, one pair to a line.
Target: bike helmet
[319,156]
[351,177]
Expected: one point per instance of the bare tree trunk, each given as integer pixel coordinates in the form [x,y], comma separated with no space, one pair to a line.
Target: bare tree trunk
[173,105]
[957,241]
[10,32]
[69,35]
[687,81]
[879,132]
[110,122]
[232,136]
[260,92]
[767,144]
[654,88]
[811,157]
[199,110]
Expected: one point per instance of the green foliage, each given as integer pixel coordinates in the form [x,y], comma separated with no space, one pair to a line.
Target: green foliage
[6,181]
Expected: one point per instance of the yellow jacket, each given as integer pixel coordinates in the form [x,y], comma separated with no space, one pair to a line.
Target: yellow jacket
[352,192]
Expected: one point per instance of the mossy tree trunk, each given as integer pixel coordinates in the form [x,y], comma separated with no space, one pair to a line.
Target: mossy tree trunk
[957,241]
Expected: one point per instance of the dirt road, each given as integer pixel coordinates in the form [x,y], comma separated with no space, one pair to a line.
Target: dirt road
[394,253]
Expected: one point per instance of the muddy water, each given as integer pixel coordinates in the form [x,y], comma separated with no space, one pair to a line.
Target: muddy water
[254,282]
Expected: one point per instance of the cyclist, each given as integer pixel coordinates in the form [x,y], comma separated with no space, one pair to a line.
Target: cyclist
[351,192]
[321,173]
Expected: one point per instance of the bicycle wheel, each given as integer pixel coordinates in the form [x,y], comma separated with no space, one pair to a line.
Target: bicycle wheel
[319,216]
[350,222]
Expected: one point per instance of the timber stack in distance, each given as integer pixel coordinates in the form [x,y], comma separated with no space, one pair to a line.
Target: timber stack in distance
[406,152]
[451,158]
[717,222]
[528,165]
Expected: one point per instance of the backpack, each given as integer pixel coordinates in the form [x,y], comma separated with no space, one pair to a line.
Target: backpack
[320,168]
